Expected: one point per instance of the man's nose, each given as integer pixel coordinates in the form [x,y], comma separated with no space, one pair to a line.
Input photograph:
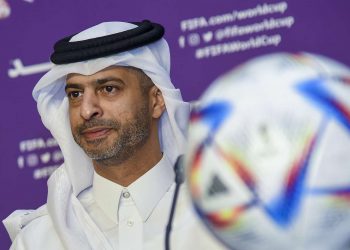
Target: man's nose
[90,106]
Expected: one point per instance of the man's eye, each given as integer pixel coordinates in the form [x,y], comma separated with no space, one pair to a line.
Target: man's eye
[74,94]
[109,89]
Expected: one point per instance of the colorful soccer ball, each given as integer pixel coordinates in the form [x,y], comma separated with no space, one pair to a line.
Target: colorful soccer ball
[268,163]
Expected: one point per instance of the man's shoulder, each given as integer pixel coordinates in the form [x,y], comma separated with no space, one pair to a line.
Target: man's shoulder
[42,222]
[38,234]
[32,229]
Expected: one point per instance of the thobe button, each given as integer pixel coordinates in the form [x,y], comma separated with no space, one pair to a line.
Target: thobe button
[126,194]
[130,223]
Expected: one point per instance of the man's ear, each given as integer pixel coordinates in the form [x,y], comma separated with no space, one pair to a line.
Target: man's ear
[156,102]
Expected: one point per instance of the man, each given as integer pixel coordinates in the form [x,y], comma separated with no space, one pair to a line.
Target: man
[121,125]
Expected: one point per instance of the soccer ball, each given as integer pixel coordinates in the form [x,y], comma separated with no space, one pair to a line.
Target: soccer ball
[268,161]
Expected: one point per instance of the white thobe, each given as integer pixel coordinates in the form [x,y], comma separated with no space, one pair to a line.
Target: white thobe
[129,218]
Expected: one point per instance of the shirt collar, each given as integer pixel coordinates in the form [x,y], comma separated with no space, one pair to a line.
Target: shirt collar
[146,191]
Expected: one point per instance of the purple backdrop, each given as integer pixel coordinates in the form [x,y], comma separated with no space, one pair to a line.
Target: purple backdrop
[206,39]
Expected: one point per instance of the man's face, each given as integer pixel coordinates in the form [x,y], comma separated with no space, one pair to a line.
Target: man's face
[109,113]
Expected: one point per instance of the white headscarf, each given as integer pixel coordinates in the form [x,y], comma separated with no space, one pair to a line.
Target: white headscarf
[153,59]
[76,173]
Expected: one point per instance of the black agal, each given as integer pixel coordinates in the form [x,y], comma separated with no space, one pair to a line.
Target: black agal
[70,52]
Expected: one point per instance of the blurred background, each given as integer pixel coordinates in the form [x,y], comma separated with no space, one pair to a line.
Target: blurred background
[206,39]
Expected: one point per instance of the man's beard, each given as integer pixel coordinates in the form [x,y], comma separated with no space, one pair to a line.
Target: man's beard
[131,136]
